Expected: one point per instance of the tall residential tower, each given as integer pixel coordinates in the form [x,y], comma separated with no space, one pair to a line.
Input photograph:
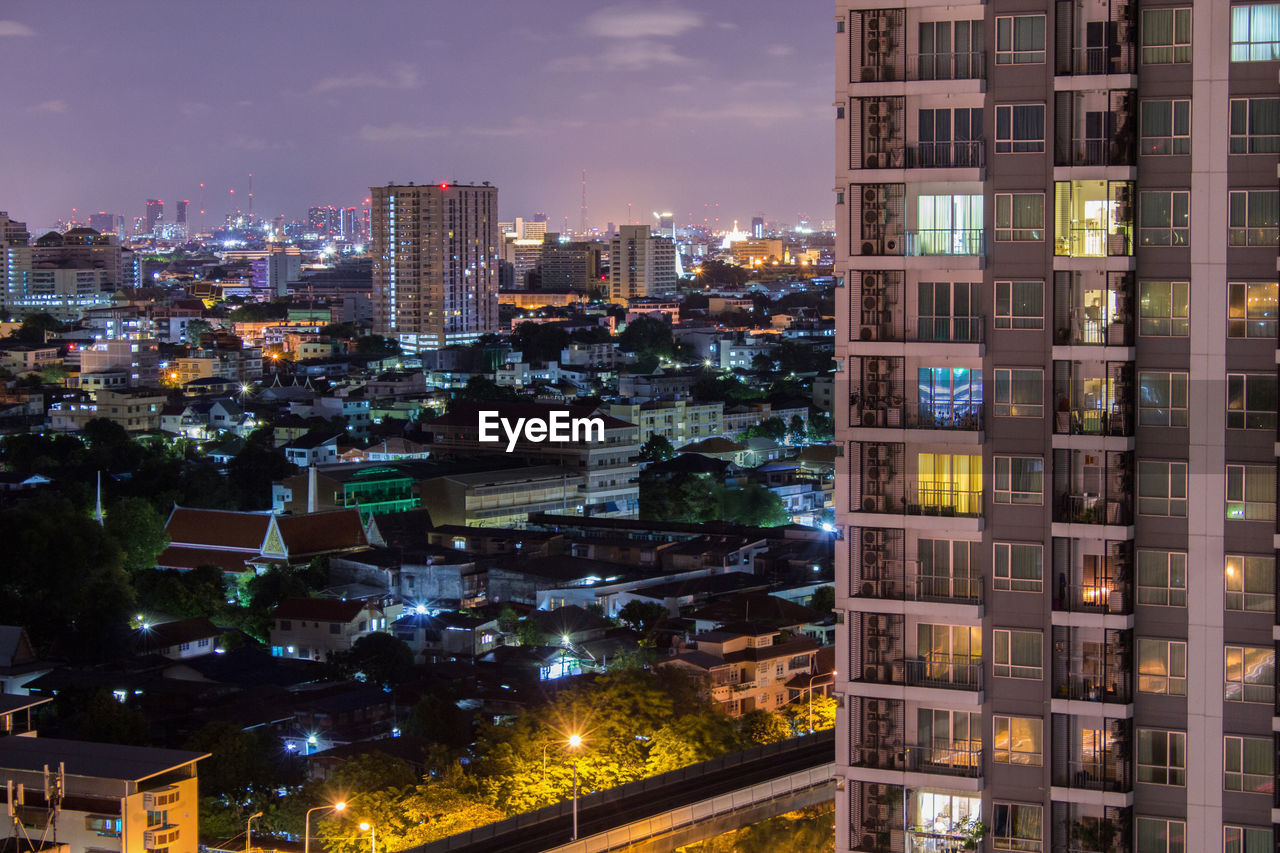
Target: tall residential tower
[1057,341]
[435,263]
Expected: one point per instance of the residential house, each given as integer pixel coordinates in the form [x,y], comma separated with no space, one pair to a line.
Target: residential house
[315,628]
[749,665]
[178,640]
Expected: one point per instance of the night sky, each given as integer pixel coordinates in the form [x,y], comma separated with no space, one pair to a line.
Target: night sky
[667,106]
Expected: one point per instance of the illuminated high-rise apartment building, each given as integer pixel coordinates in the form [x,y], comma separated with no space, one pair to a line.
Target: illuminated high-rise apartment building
[1057,245]
[435,263]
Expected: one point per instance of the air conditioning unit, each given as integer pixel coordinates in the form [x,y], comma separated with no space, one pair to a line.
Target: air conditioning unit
[870,505]
[873,418]
[876,811]
[157,838]
[891,245]
[874,452]
[882,129]
[872,538]
[878,389]
[875,622]
[872,247]
[873,644]
[873,23]
[161,799]
[1123,194]
[875,366]
[882,23]
[870,284]
[868,589]
[876,161]
[873,195]
[872,303]
[873,216]
[869,333]
[874,789]
[871,673]
[873,706]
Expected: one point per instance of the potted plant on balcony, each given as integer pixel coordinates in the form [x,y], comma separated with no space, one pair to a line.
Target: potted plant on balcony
[972,831]
[1095,835]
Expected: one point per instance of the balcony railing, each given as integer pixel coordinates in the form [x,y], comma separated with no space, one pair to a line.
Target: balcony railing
[1083,330]
[1108,771]
[1104,59]
[1096,152]
[948,330]
[1102,685]
[1116,421]
[1105,596]
[914,416]
[971,65]
[956,759]
[1093,243]
[1091,509]
[945,241]
[931,500]
[946,155]
[898,583]
[924,840]
[949,672]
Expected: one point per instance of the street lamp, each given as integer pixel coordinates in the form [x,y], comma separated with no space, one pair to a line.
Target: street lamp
[248,831]
[365,826]
[811,680]
[575,741]
[306,823]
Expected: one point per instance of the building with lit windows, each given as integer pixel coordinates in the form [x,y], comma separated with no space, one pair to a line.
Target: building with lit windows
[640,264]
[1058,493]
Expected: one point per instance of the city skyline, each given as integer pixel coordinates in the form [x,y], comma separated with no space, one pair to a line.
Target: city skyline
[662,105]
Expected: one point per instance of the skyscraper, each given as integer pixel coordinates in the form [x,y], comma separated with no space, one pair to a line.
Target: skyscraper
[1058,492]
[757,227]
[640,264]
[155,214]
[435,263]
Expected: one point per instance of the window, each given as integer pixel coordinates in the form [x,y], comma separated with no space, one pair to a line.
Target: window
[1019,217]
[103,825]
[1164,218]
[284,624]
[335,628]
[1252,217]
[1166,36]
[1018,740]
[1020,128]
[1162,488]
[949,225]
[949,137]
[943,58]
[1162,399]
[1019,393]
[1018,567]
[1250,583]
[1251,492]
[1162,757]
[1164,308]
[1018,654]
[1019,304]
[1015,826]
[1246,839]
[1250,674]
[1162,578]
[949,396]
[1251,401]
[1020,39]
[1252,309]
[1162,667]
[1255,125]
[1158,835]
[1255,33]
[951,482]
[1019,480]
[948,311]
[948,737]
[1247,764]
[949,568]
[1165,127]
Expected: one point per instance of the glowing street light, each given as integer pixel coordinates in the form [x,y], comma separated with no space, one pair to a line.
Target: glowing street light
[306,823]
[248,831]
[575,741]
[365,826]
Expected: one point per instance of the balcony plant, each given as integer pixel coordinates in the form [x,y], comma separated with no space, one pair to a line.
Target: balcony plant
[1098,835]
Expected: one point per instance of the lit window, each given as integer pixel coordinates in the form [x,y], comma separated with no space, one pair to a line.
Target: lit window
[1019,480]
[1252,309]
[1253,217]
[1017,740]
[1162,578]
[1251,492]
[1166,36]
[1250,674]
[1019,305]
[1247,764]
[1018,567]
[1162,757]
[1162,667]
[1164,308]
[1160,835]
[1020,39]
[1165,127]
[1162,488]
[1018,654]
[1019,393]
[1164,218]
[1162,400]
[1251,401]
[1020,129]
[1255,125]
[1019,217]
[1250,583]
[1017,826]
[1255,33]
[950,482]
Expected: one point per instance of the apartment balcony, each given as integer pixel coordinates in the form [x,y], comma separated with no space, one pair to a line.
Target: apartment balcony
[1117,420]
[1109,687]
[873,413]
[1114,58]
[892,154]
[1100,583]
[1091,509]
[1090,828]
[1093,308]
[1092,665]
[1098,39]
[1096,128]
[928,500]
[946,672]
[941,242]
[1093,487]
[952,759]
[900,580]
[1093,219]
[1108,770]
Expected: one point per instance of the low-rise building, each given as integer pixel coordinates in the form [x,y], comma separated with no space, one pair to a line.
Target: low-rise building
[503,498]
[28,358]
[135,409]
[749,665]
[678,421]
[315,628]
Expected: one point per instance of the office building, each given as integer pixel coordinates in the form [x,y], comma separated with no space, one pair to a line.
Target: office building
[1058,492]
[757,227]
[350,230]
[155,215]
[107,223]
[435,263]
[569,266]
[325,219]
[640,264]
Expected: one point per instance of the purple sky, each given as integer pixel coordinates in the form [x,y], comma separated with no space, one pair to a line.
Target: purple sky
[675,106]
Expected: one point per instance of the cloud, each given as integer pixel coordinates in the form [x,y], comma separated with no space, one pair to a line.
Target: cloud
[638,21]
[57,107]
[399,132]
[241,142]
[780,51]
[637,55]
[400,76]
[194,109]
[13,28]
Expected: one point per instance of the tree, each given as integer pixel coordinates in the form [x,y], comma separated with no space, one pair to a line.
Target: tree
[647,336]
[762,363]
[763,727]
[197,592]
[774,428]
[690,497]
[255,468]
[35,327]
[381,658]
[821,428]
[105,720]
[139,531]
[377,345]
[752,505]
[824,600]
[796,428]
[195,330]
[371,771]
[689,740]
[539,342]
[482,389]
[642,616]
[438,718]
[657,449]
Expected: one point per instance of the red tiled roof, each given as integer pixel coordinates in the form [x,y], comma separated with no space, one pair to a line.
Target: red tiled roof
[175,557]
[319,532]
[218,528]
[318,609]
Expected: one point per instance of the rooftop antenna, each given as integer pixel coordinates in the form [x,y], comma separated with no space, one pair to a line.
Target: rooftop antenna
[98,515]
[251,195]
[583,209]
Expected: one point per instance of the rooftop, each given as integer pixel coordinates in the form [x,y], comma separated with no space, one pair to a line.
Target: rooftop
[92,760]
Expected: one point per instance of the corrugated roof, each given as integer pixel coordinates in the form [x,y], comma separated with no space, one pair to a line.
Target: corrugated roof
[319,609]
[92,760]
